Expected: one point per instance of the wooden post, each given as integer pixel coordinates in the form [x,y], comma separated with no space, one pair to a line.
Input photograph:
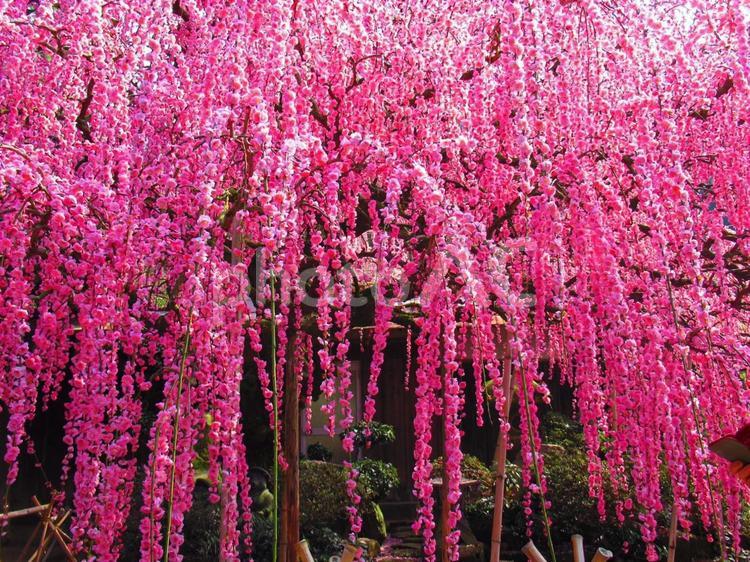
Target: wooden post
[290,506]
[303,552]
[673,533]
[578,554]
[532,553]
[602,555]
[501,451]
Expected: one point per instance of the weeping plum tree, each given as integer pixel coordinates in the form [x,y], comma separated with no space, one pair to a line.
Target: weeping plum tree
[576,167]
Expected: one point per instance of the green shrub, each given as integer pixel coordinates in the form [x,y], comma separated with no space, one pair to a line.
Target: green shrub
[472,469]
[561,430]
[202,523]
[319,452]
[262,539]
[323,541]
[479,515]
[480,512]
[573,510]
[323,499]
[376,478]
[373,433]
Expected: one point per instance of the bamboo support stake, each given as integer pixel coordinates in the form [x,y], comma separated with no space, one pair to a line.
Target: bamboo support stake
[577,542]
[351,552]
[501,452]
[445,509]
[23,512]
[62,538]
[224,499]
[532,553]
[45,528]
[54,534]
[303,552]
[444,505]
[602,555]
[275,391]
[673,533]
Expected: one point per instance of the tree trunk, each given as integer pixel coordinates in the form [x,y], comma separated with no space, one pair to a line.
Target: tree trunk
[501,450]
[290,506]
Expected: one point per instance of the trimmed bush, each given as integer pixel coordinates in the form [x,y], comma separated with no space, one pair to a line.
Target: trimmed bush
[472,469]
[202,524]
[373,433]
[376,478]
[324,542]
[319,452]
[323,499]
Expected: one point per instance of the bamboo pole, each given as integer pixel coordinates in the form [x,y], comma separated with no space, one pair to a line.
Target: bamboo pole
[45,528]
[54,535]
[275,390]
[23,512]
[303,552]
[602,555]
[444,505]
[224,499]
[62,538]
[578,554]
[501,452]
[673,533]
[290,510]
[532,553]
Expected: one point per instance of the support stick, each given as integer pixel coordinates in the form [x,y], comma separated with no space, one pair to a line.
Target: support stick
[23,512]
[303,552]
[445,509]
[275,390]
[602,555]
[501,452]
[577,542]
[673,533]
[532,553]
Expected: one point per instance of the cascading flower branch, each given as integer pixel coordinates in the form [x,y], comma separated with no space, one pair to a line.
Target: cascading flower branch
[577,168]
